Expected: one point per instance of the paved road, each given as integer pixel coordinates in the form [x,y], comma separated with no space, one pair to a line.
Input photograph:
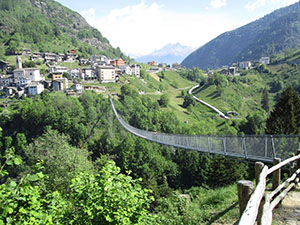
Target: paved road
[206,104]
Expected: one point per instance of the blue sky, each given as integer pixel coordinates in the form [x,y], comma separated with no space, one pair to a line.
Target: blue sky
[140,26]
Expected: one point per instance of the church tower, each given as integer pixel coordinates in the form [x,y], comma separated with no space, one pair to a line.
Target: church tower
[19,62]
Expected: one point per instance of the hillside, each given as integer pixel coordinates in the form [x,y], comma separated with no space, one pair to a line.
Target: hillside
[171,53]
[269,35]
[46,25]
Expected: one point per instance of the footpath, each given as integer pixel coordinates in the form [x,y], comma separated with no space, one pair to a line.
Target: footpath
[289,211]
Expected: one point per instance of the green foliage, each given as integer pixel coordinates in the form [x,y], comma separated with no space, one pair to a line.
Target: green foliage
[254,123]
[207,206]
[63,113]
[49,27]
[265,100]
[241,94]
[2,52]
[285,117]
[23,201]
[263,69]
[105,198]
[220,80]
[194,74]
[188,100]
[108,198]
[126,90]
[147,161]
[90,124]
[28,64]
[215,171]
[61,160]
[164,100]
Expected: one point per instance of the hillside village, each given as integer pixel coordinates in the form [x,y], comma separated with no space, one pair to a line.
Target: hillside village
[22,82]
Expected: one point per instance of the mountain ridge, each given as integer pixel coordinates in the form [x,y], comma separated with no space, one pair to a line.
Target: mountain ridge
[266,36]
[46,25]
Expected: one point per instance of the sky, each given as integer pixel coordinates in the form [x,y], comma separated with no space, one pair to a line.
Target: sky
[139,27]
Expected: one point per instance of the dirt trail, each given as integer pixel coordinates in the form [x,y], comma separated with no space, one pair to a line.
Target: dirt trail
[154,76]
[289,211]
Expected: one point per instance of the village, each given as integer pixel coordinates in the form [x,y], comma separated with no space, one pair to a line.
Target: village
[23,82]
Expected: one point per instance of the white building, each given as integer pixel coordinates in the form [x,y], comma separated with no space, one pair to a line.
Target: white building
[33,74]
[135,70]
[25,76]
[88,74]
[34,89]
[126,70]
[6,80]
[245,65]
[74,73]
[106,74]
[60,84]
[77,88]
[264,60]
[60,69]
[99,59]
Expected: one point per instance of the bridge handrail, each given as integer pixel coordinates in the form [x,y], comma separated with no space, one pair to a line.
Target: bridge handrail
[251,212]
[249,147]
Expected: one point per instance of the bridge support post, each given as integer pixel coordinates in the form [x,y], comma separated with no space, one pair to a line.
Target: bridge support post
[276,174]
[258,168]
[245,189]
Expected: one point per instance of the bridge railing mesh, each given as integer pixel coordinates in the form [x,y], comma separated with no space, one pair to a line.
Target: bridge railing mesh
[253,147]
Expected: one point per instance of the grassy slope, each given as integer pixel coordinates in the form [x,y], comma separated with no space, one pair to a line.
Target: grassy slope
[243,96]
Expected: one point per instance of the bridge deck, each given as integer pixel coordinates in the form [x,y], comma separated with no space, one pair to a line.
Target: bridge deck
[250,147]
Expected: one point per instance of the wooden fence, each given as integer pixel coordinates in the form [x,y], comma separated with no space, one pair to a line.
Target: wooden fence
[258,205]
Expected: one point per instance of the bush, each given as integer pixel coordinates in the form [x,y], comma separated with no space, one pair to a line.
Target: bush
[164,100]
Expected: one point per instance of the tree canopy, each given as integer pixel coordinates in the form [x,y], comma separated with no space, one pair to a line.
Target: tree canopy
[285,117]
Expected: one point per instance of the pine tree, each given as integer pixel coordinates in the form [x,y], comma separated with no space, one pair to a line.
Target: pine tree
[265,100]
[285,118]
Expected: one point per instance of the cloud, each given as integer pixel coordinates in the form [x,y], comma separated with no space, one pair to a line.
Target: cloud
[284,2]
[139,29]
[277,3]
[256,4]
[218,3]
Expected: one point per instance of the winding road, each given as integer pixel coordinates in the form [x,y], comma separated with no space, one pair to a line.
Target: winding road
[206,104]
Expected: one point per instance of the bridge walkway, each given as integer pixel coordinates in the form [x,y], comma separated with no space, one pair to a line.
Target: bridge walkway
[262,148]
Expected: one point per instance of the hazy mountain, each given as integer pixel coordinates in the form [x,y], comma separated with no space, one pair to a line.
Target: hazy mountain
[271,34]
[46,25]
[171,53]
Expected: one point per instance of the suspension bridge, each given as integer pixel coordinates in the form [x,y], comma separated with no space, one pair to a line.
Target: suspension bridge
[262,148]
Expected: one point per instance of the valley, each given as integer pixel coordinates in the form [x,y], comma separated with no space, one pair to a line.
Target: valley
[65,158]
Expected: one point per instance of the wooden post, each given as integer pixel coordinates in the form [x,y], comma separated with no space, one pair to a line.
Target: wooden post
[245,189]
[298,161]
[276,174]
[258,168]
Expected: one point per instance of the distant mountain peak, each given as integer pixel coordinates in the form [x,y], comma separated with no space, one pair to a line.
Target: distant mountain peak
[170,53]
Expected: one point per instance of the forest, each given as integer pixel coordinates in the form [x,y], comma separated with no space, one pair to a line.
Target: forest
[47,26]
[67,160]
